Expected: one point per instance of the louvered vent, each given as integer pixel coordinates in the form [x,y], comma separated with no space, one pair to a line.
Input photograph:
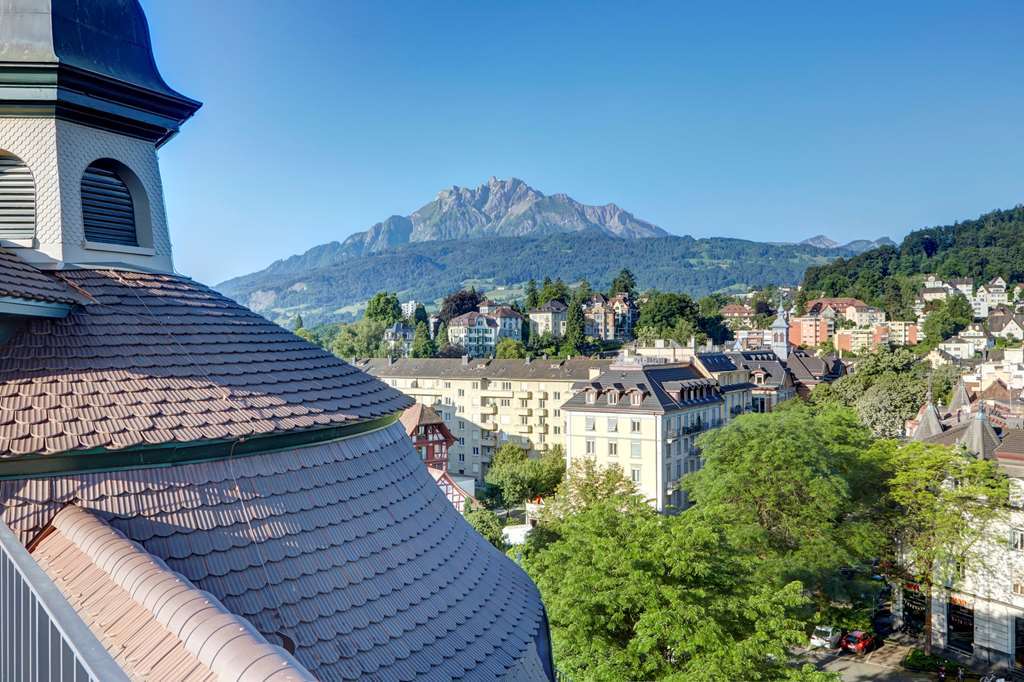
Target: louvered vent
[107,206]
[17,199]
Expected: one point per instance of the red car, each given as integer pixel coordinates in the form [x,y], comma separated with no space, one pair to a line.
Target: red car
[859,642]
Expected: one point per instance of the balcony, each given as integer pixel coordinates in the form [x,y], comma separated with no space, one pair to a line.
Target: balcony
[42,637]
[524,394]
[541,412]
[488,409]
[488,440]
[523,428]
[736,409]
[524,411]
[541,395]
[541,428]
[489,426]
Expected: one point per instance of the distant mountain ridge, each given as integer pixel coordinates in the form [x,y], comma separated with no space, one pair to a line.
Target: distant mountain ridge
[856,246]
[498,208]
[503,233]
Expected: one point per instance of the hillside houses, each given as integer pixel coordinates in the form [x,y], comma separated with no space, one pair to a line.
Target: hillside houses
[478,332]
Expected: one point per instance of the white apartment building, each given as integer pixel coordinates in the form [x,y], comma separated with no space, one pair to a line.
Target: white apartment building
[980,613]
[488,402]
[479,332]
[644,416]
[409,308]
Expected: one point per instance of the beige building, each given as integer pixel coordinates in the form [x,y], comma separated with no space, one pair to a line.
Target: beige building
[488,402]
[549,318]
[643,415]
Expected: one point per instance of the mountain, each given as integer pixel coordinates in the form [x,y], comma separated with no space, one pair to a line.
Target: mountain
[857,246]
[499,208]
[888,276]
[326,284]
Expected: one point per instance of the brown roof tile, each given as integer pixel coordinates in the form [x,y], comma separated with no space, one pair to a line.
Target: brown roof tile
[21,280]
[160,359]
[347,547]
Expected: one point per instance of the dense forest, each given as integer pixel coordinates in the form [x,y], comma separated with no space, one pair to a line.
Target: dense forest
[317,284]
[888,276]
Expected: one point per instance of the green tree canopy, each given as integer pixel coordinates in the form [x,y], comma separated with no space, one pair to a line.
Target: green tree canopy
[575,324]
[297,323]
[624,283]
[509,349]
[422,345]
[532,294]
[384,307]
[553,291]
[485,522]
[663,310]
[420,315]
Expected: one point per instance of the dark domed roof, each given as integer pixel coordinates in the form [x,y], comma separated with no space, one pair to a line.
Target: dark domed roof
[100,49]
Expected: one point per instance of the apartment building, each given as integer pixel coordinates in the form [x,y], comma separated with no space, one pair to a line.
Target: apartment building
[488,402]
[643,415]
[609,319]
[549,318]
[810,331]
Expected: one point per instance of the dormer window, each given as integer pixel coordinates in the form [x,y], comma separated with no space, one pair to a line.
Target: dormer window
[17,199]
[591,397]
[636,398]
[613,398]
[114,205]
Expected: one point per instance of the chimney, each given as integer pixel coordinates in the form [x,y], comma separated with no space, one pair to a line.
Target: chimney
[465,359]
[593,373]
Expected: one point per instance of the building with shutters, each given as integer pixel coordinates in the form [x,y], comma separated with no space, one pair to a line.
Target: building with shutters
[489,402]
[188,491]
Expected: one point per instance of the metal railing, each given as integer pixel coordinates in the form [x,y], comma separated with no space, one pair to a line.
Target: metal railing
[42,639]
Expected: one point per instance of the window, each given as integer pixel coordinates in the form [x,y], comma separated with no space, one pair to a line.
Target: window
[522,402]
[634,449]
[634,426]
[557,395]
[505,402]
[591,446]
[113,202]
[613,398]
[523,419]
[636,398]
[589,424]
[634,474]
[1017,539]
[591,397]
[557,413]
[17,199]
[556,430]
[462,425]
[462,392]
[447,384]
[613,424]
[613,449]
[462,457]
[506,385]
[476,384]
[476,451]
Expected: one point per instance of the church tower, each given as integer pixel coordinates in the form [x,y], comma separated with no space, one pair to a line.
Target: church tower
[780,336]
[83,110]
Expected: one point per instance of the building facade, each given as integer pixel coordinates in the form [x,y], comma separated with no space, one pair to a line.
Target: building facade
[549,318]
[488,402]
[644,418]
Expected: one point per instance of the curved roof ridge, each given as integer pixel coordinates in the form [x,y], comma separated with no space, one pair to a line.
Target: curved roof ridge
[227,643]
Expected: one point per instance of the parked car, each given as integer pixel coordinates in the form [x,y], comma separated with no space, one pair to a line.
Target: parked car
[825,637]
[859,642]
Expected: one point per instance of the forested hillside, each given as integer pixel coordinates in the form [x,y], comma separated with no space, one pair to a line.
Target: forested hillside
[317,287]
[888,276]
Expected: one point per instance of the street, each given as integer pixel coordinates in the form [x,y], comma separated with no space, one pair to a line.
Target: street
[882,664]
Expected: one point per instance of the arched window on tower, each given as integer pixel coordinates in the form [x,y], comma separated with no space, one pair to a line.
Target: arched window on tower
[17,199]
[113,201]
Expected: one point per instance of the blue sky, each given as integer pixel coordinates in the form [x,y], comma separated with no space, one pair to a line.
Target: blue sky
[765,121]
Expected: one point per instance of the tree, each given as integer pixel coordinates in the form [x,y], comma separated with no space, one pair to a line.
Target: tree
[948,504]
[947,319]
[532,295]
[585,484]
[363,339]
[509,349]
[297,323]
[441,335]
[624,283]
[662,310]
[422,345]
[485,522]
[553,291]
[459,303]
[384,307]
[797,487]
[420,315]
[632,594]
[575,338]
[508,473]
[889,403]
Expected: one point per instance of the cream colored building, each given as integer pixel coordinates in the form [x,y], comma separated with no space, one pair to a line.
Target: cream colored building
[644,415]
[488,402]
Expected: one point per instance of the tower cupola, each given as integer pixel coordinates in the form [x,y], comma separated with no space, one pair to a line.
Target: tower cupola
[83,109]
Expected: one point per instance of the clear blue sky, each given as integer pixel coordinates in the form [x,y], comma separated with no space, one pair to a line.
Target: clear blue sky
[766,121]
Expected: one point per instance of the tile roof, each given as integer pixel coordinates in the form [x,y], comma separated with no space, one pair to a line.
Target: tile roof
[156,624]
[537,369]
[657,384]
[20,280]
[419,415]
[158,359]
[470,319]
[348,548]
[552,306]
